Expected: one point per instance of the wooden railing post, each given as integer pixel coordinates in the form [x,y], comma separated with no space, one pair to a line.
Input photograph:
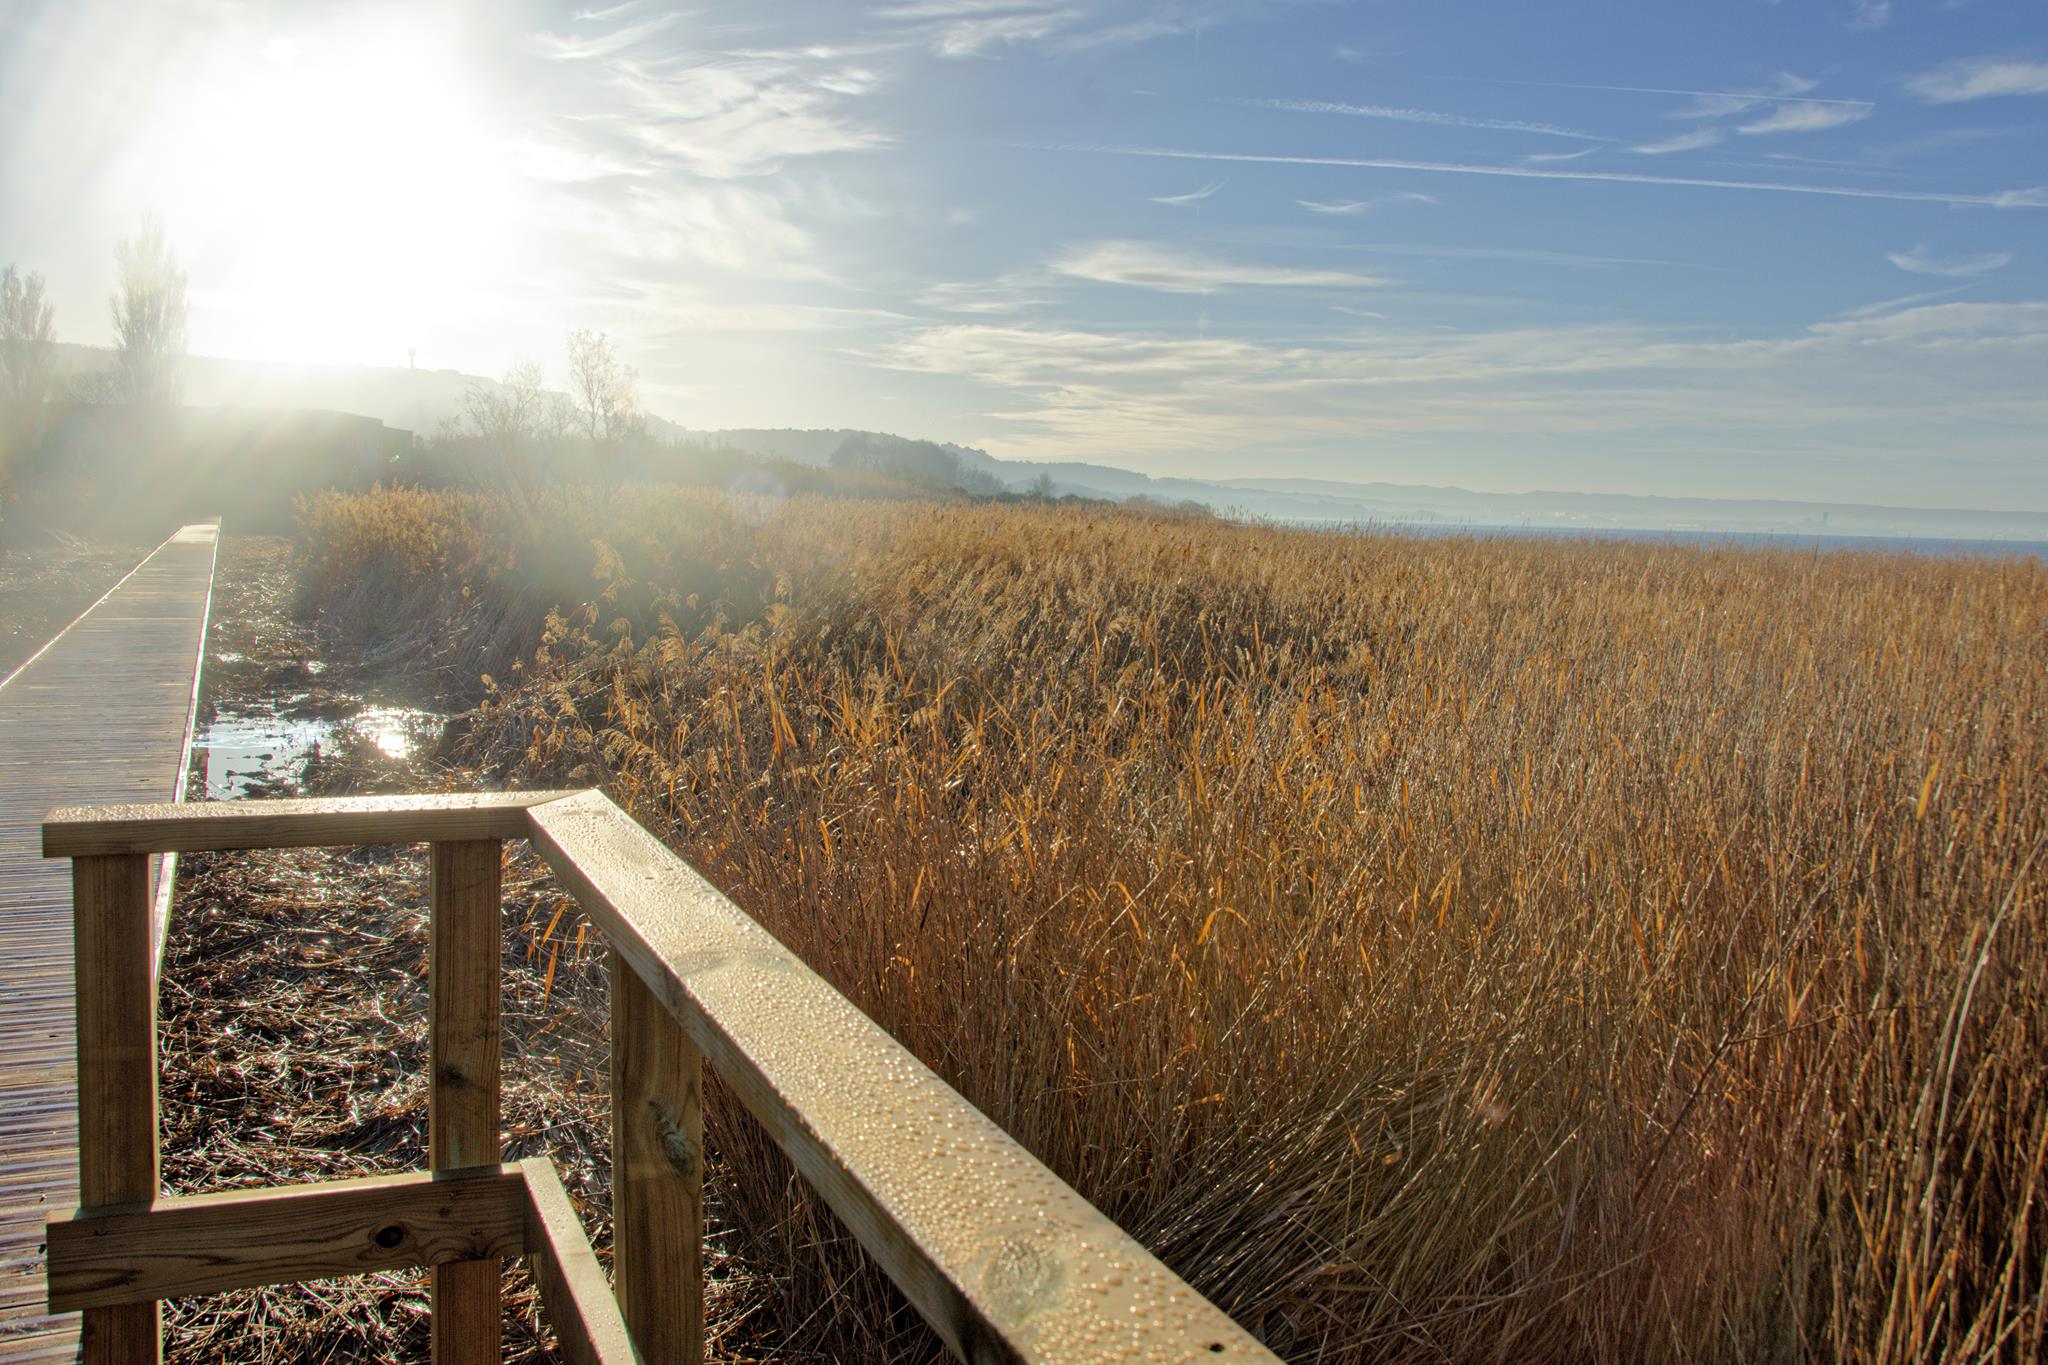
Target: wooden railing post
[782,1039]
[117,1148]
[657,1174]
[463,1107]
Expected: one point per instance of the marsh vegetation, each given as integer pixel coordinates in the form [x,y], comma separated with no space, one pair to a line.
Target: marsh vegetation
[1432,948]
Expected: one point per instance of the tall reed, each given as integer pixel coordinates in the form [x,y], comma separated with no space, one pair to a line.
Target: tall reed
[1436,949]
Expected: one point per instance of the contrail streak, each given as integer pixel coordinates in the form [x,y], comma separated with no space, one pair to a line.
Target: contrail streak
[1647,90]
[2032,199]
[1420,116]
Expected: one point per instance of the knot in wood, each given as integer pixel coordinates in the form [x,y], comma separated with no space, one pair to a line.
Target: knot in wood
[1019,1279]
[676,1145]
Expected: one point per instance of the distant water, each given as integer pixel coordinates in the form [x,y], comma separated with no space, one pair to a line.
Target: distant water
[1784,540]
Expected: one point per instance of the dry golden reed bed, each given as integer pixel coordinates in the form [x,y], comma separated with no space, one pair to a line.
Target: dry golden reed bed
[1436,949]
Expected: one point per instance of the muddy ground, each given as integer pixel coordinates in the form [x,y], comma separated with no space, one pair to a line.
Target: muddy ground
[294,993]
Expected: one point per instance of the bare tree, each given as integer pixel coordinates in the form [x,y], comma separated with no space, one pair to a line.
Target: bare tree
[507,414]
[28,353]
[149,318]
[105,387]
[28,342]
[606,389]
[517,419]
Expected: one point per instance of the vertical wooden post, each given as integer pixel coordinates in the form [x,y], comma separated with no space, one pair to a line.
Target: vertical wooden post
[657,1174]
[463,1119]
[117,1150]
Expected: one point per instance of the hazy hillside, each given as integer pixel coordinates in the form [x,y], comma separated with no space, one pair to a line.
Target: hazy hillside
[419,400]
[816,447]
[409,399]
[1326,500]
[413,400]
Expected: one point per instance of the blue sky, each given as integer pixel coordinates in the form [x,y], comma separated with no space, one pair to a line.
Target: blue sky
[1793,249]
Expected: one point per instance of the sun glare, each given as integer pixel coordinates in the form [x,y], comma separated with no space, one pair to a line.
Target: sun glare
[339,189]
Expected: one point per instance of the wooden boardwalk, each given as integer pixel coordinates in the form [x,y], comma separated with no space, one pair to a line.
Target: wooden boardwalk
[103,713]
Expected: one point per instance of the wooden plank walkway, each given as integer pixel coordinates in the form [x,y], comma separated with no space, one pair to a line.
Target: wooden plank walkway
[103,713]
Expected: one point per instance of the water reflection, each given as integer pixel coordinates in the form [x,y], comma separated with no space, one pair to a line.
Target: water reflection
[260,751]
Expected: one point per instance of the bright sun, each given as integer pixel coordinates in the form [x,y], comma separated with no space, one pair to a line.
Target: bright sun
[337,191]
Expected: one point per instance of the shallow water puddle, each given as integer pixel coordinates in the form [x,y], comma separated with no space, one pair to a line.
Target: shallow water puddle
[267,749]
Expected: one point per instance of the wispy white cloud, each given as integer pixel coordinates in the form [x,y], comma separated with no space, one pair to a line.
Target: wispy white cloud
[978,28]
[740,120]
[1191,197]
[1717,104]
[1357,206]
[983,298]
[657,154]
[648,227]
[1128,34]
[585,16]
[1865,165]
[1952,326]
[972,37]
[1871,14]
[634,95]
[1444,251]
[1871,310]
[1082,391]
[710,316]
[1427,116]
[1807,118]
[1526,255]
[1543,158]
[1976,78]
[2012,199]
[1784,106]
[1921,261]
[570,47]
[951,9]
[1785,86]
[1169,269]
[1684,142]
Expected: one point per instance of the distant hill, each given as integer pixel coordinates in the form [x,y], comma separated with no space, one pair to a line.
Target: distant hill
[411,400]
[816,446]
[408,399]
[1336,502]
[419,400]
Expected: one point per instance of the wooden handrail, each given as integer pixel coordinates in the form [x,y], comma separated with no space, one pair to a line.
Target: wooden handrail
[1003,1259]
[312,822]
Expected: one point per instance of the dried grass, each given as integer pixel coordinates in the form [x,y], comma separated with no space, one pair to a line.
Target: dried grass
[1435,949]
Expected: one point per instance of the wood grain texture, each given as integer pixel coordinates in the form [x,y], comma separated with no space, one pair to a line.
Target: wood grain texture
[1004,1259]
[579,1304]
[115,952]
[101,714]
[464,943]
[211,1243]
[657,1174]
[309,822]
